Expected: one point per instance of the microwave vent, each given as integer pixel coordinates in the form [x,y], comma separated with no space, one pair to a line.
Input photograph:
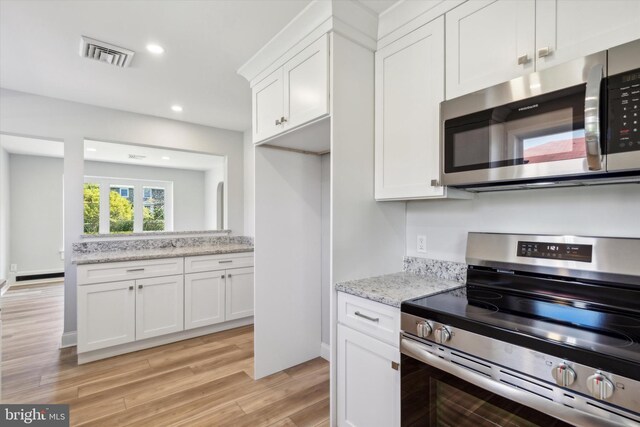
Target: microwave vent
[105,52]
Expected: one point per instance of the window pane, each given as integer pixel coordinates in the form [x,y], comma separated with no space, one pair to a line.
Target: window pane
[91,208]
[153,209]
[120,209]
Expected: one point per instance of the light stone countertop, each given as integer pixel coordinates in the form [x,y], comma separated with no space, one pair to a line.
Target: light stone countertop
[155,253]
[392,289]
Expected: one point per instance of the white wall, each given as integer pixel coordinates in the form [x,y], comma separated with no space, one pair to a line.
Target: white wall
[31,115]
[4,215]
[36,214]
[188,189]
[595,211]
[249,184]
[325,179]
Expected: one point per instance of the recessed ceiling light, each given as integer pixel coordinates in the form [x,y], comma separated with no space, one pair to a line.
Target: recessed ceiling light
[155,48]
[166,158]
[91,149]
[176,108]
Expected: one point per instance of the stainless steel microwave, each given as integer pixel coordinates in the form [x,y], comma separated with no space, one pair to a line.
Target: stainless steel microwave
[573,124]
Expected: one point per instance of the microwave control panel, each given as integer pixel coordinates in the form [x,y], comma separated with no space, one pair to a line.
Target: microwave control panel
[624,112]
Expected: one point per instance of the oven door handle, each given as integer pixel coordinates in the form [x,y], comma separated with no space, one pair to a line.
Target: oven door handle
[592,117]
[419,352]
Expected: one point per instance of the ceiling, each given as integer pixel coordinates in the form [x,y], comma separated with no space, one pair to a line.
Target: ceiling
[99,151]
[205,43]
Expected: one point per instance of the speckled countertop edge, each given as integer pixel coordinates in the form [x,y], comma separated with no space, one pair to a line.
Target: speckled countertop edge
[155,234]
[142,254]
[393,289]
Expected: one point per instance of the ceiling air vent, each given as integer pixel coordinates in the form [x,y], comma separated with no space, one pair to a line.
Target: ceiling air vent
[105,52]
[137,157]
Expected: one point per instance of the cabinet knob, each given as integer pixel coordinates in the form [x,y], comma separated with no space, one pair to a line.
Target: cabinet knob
[228,275]
[139,286]
[278,122]
[435,183]
[130,288]
[282,120]
[223,276]
[395,365]
[523,59]
[544,51]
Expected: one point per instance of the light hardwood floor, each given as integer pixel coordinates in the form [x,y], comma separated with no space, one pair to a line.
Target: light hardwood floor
[204,381]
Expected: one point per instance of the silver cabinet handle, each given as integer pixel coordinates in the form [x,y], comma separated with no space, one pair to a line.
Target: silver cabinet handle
[283,120]
[395,365]
[435,183]
[133,270]
[278,122]
[544,51]
[364,316]
[523,59]
[225,262]
[592,117]
[139,286]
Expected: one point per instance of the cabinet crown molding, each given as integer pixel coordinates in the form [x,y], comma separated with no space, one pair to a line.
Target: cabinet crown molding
[348,17]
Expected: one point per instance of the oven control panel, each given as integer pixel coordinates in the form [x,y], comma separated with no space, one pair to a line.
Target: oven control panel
[624,112]
[559,251]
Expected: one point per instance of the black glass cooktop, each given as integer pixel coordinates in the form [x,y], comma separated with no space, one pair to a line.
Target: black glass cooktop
[603,338]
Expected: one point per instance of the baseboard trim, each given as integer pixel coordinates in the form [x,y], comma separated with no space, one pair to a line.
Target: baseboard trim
[325,352]
[33,275]
[69,339]
[103,353]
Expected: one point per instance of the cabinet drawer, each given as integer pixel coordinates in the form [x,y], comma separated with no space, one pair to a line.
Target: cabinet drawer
[198,264]
[377,320]
[129,270]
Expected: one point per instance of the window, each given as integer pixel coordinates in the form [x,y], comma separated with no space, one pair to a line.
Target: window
[120,206]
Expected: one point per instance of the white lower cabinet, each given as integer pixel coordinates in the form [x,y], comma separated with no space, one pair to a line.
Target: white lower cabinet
[239,293]
[204,295]
[368,381]
[159,306]
[106,315]
[153,305]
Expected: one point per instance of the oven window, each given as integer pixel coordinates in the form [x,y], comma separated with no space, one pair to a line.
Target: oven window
[433,398]
[544,129]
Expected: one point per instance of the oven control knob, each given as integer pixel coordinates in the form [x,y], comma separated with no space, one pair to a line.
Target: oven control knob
[564,375]
[600,386]
[442,335]
[424,329]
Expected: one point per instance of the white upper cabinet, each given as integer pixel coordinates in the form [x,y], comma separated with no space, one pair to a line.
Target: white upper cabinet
[569,29]
[268,106]
[306,90]
[294,94]
[409,86]
[488,42]
[159,306]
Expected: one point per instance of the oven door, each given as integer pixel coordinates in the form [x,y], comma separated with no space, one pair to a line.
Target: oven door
[438,393]
[527,129]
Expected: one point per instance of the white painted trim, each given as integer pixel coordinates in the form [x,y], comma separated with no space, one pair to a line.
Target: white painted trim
[69,339]
[407,16]
[104,353]
[325,352]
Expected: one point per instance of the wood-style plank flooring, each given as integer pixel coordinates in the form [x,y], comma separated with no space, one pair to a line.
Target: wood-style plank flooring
[205,381]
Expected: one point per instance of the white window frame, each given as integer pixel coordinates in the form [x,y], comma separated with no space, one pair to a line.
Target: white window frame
[105,184]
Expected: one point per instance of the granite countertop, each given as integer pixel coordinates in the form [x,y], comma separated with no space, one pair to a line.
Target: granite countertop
[392,289]
[154,253]
[156,233]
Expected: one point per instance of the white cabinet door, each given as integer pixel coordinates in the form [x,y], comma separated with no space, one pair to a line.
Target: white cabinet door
[487,41]
[368,383]
[267,106]
[204,295]
[239,293]
[306,84]
[159,306]
[409,88]
[569,29]
[106,315]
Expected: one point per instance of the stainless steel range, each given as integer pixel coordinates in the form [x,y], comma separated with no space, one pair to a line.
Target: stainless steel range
[545,333]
